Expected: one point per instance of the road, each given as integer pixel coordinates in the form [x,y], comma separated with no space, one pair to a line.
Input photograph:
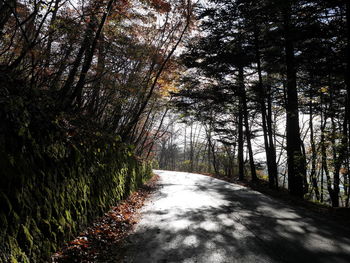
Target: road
[196,218]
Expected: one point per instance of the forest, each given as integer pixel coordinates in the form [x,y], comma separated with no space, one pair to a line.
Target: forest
[265,95]
[96,93]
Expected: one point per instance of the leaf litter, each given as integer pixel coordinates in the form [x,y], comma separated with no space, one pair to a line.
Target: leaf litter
[105,236]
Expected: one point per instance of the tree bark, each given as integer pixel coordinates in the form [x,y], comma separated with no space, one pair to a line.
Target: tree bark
[296,160]
[337,159]
[271,134]
[270,157]
[243,97]
[240,142]
[313,178]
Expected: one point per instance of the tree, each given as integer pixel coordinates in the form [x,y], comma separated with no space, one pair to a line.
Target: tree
[261,58]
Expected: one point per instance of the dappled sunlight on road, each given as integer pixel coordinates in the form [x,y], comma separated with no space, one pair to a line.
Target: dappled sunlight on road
[195,218]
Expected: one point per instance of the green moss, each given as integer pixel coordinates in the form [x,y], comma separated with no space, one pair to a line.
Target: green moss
[45,227]
[28,208]
[12,242]
[54,245]
[48,193]
[63,196]
[55,208]
[3,224]
[15,223]
[23,258]
[46,248]
[25,239]
[60,234]
[17,200]
[68,217]
[46,209]
[62,221]
[35,231]
[13,259]
[5,204]
[17,255]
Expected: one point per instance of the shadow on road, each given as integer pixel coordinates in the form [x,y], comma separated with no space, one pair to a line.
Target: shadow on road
[234,225]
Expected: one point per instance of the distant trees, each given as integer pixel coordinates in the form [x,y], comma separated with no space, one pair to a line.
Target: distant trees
[190,146]
[261,59]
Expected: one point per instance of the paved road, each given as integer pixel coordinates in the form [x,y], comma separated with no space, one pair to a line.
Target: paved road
[195,218]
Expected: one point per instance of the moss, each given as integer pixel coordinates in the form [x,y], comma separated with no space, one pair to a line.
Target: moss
[5,204]
[3,224]
[13,245]
[62,221]
[48,193]
[35,231]
[23,258]
[25,239]
[57,231]
[55,208]
[61,197]
[46,210]
[75,212]
[17,200]
[68,216]
[54,245]
[45,227]
[13,259]
[46,248]
[17,255]
[36,193]
[14,223]
[70,224]
[53,238]
[28,208]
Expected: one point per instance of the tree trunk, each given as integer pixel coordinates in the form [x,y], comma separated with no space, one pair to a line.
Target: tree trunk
[191,148]
[271,162]
[337,159]
[296,160]
[215,166]
[240,142]
[313,178]
[271,134]
[156,133]
[243,98]
[78,91]
[324,165]
[64,98]
[94,103]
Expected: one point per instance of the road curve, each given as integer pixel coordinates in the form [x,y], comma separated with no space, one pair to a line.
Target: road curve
[195,218]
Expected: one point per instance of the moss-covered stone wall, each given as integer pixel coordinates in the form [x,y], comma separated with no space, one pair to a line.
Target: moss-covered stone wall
[48,194]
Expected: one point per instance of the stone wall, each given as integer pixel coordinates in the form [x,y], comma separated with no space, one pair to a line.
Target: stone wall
[48,194]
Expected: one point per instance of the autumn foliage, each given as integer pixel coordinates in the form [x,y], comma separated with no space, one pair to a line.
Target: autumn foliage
[80,92]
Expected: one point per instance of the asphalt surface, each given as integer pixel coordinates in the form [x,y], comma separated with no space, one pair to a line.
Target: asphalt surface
[195,218]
